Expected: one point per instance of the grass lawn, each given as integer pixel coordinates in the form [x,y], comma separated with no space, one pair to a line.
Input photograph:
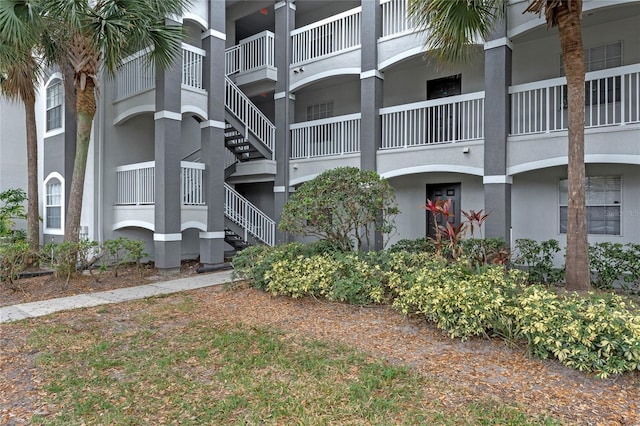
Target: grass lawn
[165,361]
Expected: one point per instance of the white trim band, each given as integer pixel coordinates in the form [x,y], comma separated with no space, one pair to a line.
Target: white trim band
[282,95]
[503,179]
[371,73]
[282,4]
[167,114]
[214,33]
[167,237]
[279,189]
[213,123]
[212,235]
[504,41]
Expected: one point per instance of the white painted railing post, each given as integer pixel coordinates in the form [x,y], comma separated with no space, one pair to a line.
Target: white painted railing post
[245,216]
[138,187]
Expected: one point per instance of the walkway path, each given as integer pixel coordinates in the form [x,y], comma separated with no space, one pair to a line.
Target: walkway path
[46,307]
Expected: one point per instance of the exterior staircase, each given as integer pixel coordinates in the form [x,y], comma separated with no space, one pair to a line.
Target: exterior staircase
[235,241]
[249,133]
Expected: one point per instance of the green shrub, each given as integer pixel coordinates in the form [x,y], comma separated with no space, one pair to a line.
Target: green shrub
[485,251]
[67,258]
[614,262]
[11,207]
[419,245]
[14,258]
[121,252]
[342,206]
[253,262]
[537,259]
[463,304]
[345,277]
[599,333]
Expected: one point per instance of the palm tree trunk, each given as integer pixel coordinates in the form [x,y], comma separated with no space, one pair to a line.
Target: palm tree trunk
[86,110]
[577,260]
[33,217]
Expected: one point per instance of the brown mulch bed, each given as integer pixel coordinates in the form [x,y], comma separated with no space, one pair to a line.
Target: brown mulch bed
[48,286]
[479,368]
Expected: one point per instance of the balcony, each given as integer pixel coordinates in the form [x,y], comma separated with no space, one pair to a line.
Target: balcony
[326,137]
[136,79]
[135,196]
[252,63]
[399,39]
[332,46]
[135,202]
[447,120]
[538,128]
[612,98]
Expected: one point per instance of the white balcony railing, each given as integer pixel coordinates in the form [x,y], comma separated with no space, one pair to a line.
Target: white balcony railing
[192,60]
[446,120]
[329,136]
[251,219]
[395,17]
[328,36]
[191,187]
[252,53]
[136,183]
[612,97]
[137,74]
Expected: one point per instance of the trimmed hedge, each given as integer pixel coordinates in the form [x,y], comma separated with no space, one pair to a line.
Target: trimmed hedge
[599,333]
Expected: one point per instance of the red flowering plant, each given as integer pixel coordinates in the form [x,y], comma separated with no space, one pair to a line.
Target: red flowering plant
[479,250]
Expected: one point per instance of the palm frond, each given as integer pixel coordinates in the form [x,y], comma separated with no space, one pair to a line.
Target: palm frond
[453,26]
[19,21]
[551,8]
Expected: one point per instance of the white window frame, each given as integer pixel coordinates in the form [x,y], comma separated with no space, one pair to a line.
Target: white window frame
[56,78]
[320,110]
[606,205]
[588,53]
[47,230]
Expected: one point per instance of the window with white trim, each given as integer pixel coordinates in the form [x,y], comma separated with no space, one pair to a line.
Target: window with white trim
[53,204]
[600,57]
[320,111]
[596,58]
[603,196]
[54,105]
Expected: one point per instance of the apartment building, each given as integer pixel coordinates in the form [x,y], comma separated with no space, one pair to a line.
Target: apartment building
[13,149]
[267,95]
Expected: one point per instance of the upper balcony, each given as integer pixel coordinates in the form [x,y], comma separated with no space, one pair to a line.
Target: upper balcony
[135,196]
[440,134]
[251,63]
[612,120]
[136,80]
[331,46]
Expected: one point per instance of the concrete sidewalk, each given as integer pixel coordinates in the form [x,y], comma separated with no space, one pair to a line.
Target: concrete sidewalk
[46,307]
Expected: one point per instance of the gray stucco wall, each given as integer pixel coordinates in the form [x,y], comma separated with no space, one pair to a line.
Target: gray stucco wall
[411,195]
[343,91]
[535,208]
[13,149]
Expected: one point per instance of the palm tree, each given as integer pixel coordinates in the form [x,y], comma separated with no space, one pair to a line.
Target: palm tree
[453,25]
[92,36]
[19,73]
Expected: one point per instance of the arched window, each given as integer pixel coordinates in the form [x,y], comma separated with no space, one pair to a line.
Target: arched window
[53,204]
[54,104]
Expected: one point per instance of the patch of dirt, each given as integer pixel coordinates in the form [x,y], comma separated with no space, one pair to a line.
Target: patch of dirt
[477,369]
[48,286]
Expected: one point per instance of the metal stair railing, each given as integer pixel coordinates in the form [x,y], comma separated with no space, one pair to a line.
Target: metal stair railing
[253,120]
[251,219]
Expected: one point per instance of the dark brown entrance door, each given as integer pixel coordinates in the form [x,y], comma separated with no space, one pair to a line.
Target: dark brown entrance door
[445,191]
